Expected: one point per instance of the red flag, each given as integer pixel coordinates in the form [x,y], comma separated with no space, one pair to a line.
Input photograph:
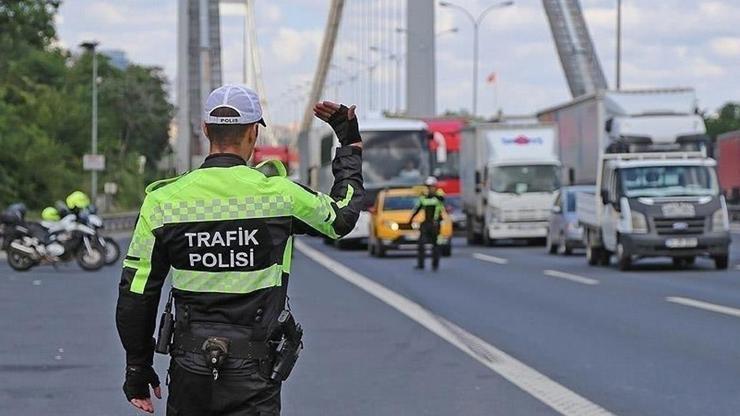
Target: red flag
[491,78]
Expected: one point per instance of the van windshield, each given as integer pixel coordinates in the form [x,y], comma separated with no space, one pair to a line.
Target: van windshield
[524,178]
[668,181]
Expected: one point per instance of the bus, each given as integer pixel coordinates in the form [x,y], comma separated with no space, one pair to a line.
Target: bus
[444,144]
[395,154]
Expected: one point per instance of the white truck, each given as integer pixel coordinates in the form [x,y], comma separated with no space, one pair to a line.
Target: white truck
[508,179]
[657,192]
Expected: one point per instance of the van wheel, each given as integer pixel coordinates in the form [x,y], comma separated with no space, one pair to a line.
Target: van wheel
[721,262]
[624,259]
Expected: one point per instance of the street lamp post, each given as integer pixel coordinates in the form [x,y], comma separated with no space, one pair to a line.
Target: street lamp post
[90,47]
[476,25]
[370,72]
[619,44]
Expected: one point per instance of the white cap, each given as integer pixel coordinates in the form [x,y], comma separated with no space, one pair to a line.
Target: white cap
[239,98]
[430,181]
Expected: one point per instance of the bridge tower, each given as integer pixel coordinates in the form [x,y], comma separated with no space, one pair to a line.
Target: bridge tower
[575,47]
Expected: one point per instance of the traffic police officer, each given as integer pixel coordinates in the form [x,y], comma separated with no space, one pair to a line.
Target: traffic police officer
[431,202]
[225,233]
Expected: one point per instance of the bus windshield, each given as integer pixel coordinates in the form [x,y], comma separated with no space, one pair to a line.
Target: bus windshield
[524,178]
[391,158]
[668,181]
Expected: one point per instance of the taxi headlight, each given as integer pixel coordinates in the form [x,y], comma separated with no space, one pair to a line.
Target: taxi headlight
[391,224]
[720,222]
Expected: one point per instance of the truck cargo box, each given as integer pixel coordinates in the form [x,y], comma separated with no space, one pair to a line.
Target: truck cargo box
[728,167]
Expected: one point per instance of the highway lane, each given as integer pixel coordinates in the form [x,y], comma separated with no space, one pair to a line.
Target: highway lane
[619,342]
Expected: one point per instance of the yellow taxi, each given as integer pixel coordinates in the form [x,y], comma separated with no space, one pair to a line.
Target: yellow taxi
[389,223]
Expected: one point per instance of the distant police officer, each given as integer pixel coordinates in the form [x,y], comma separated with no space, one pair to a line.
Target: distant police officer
[225,233]
[431,202]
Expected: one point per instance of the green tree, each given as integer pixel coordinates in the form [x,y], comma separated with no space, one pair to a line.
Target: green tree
[727,119]
[45,99]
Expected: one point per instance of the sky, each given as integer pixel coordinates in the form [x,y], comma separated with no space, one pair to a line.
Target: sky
[666,43]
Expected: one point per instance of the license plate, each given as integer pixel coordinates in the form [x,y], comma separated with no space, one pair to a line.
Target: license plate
[681,242]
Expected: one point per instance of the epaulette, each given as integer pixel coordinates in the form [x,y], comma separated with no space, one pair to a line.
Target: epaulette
[272,167]
[162,182]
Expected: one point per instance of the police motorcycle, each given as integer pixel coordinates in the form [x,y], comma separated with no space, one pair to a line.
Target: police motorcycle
[111,248]
[51,241]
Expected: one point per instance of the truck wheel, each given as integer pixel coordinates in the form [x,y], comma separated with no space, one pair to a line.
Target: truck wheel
[721,262]
[486,238]
[470,235]
[624,259]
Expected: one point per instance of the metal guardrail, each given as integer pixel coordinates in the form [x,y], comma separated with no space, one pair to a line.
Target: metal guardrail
[121,221]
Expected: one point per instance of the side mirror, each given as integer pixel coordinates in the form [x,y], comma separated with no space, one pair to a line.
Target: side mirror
[604,196]
[556,209]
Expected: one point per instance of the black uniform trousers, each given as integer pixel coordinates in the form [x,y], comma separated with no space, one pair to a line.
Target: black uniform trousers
[429,231]
[246,394]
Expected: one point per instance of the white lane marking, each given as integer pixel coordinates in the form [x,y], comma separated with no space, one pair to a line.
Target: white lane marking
[712,307]
[572,277]
[489,258]
[549,392]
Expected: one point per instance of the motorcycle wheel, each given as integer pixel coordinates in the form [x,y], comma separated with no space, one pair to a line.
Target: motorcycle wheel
[112,251]
[91,260]
[19,261]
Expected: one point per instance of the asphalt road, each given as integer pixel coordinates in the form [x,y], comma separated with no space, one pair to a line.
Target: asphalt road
[496,331]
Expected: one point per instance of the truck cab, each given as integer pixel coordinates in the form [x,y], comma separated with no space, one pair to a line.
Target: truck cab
[652,204]
[509,180]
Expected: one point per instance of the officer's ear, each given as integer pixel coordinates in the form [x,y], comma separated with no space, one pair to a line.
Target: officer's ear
[205,128]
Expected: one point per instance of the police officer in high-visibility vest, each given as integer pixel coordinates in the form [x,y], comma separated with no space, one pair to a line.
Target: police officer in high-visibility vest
[432,203]
[224,232]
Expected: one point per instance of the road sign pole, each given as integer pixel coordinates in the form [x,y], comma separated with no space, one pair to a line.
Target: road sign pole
[94,122]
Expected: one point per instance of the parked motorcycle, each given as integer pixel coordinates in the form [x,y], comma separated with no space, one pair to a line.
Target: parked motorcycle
[110,246]
[29,244]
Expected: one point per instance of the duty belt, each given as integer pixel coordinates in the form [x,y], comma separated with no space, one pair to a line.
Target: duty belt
[238,348]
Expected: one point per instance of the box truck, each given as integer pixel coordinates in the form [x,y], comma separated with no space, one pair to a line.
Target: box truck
[509,173]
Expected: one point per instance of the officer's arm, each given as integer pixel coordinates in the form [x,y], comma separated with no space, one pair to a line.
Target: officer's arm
[416,211]
[144,270]
[332,215]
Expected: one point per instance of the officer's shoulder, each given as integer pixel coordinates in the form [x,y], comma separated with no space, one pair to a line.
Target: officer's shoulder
[162,183]
[272,168]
